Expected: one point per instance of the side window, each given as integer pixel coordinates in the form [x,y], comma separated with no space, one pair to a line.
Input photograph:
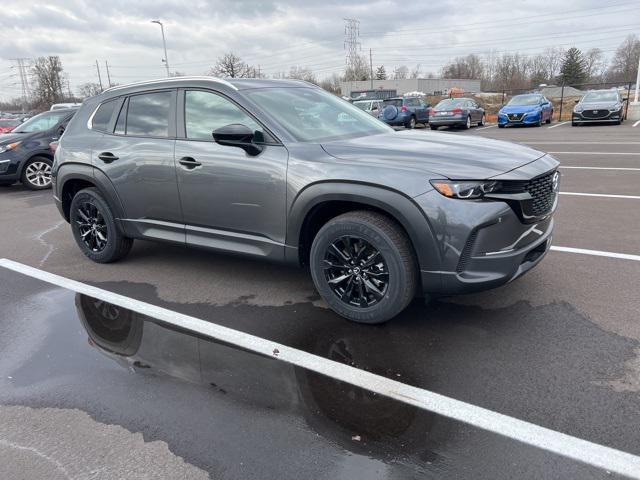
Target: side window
[122,119]
[102,116]
[148,114]
[205,112]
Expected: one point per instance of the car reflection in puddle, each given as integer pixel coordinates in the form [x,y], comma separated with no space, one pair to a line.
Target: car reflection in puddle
[356,419]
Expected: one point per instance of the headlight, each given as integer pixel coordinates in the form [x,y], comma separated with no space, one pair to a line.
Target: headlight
[8,146]
[578,108]
[615,108]
[464,189]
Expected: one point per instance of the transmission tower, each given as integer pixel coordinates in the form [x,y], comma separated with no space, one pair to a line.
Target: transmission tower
[24,78]
[351,43]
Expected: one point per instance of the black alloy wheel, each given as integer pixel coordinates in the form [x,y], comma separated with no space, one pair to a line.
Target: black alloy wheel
[91,226]
[356,272]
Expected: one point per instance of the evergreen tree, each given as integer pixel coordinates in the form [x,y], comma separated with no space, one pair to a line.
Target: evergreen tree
[573,70]
[381,73]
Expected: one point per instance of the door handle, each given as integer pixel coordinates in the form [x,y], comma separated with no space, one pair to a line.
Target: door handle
[107,157]
[189,163]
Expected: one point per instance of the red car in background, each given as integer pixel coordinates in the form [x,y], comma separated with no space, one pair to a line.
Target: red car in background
[8,124]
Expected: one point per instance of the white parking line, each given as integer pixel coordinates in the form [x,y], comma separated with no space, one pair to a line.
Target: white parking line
[597,153]
[558,443]
[484,128]
[597,253]
[557,124]
[600,168]
[632,197]
[637,123]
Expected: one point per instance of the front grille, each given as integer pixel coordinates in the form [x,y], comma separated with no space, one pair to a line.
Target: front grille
[541,190]
[515,116]
[595,113]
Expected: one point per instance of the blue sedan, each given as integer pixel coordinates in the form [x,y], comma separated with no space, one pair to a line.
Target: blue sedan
[528,109]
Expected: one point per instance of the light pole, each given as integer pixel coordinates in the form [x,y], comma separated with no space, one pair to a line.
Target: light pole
[164,44]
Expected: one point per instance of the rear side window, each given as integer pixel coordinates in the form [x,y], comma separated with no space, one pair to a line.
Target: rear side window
[204,112]
[148,114]
[102,116]
[396,102]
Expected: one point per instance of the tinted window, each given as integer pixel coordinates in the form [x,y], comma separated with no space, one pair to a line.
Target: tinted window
[205,112]
[450,103]
[148,114]
[122,118]
[103,116]
[396,102]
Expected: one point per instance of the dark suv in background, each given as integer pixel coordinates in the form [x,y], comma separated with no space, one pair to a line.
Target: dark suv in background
[25,155]
[281,169]
[404,111]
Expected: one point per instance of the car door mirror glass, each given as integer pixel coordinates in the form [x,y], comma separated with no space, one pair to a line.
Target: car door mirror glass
[239,135]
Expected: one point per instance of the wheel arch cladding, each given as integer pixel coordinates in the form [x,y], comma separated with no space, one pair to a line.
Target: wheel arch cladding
[72,180]
[321,201]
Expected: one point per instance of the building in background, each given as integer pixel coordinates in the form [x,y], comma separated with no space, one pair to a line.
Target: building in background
[392,88]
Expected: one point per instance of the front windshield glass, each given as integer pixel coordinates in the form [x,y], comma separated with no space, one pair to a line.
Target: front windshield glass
[601,97]
[525,100]
[41,122]
[313,115]
[450,103]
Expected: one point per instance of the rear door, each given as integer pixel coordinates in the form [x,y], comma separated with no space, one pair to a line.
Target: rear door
[231,200]
[136,154]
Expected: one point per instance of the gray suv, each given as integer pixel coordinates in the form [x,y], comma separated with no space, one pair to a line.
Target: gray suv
[282,170]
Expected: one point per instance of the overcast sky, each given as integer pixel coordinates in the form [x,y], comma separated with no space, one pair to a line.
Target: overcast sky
[279,34]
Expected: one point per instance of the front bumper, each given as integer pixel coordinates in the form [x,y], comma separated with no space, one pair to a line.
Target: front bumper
[587,116]
[531,118]
[9,166]
[486,243]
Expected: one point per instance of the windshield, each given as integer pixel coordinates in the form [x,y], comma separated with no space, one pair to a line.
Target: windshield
[313,115]
[525,100]
[601,97]
[450,103]
[41,122]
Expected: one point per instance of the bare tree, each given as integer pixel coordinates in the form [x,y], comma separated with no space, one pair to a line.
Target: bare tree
[230,65]
[89,89]
[416,72]
[358,70]
[47,72]
[594,64]
[624,65]
[401,72]
[332,84]
[302,73]
[470,66]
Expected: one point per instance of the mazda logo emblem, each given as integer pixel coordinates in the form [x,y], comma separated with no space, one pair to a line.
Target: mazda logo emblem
[555,181]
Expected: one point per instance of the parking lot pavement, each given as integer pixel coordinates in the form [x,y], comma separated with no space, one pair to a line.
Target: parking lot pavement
[558,347]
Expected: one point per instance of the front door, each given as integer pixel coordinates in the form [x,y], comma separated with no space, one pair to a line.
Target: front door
[137,156]
[231,200]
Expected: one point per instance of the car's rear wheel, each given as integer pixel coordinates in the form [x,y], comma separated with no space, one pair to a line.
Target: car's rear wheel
[411,124]
[467,124]
[482,120]
[94,228]
[363,265]
[36,173]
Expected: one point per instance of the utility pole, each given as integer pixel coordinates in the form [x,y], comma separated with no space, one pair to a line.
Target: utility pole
[635,98]
[164,44]
[106,66]
[351,43]
[99,77]
[371,68]
[24,80]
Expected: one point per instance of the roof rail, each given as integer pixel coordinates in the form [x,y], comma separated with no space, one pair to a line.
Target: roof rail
[159,80]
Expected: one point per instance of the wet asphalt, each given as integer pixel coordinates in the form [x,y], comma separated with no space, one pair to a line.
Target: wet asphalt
[558,348]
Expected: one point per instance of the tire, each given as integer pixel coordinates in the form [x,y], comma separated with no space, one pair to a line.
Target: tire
[433,127]
[467,125]
[482,121]
[500,126]
[548,120]
[411,124]
[94,228]
[36,173]
[575,124]
[364,232]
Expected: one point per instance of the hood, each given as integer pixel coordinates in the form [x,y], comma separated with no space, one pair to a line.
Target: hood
[519,108]
[460,157]
[12,137]
[597,105]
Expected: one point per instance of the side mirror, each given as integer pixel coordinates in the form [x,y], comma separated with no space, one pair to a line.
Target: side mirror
[237,135]
[577,101]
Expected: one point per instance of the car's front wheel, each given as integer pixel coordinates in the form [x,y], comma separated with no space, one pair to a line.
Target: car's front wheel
[94,228]
[363,265]
[482,121]
[36,173]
